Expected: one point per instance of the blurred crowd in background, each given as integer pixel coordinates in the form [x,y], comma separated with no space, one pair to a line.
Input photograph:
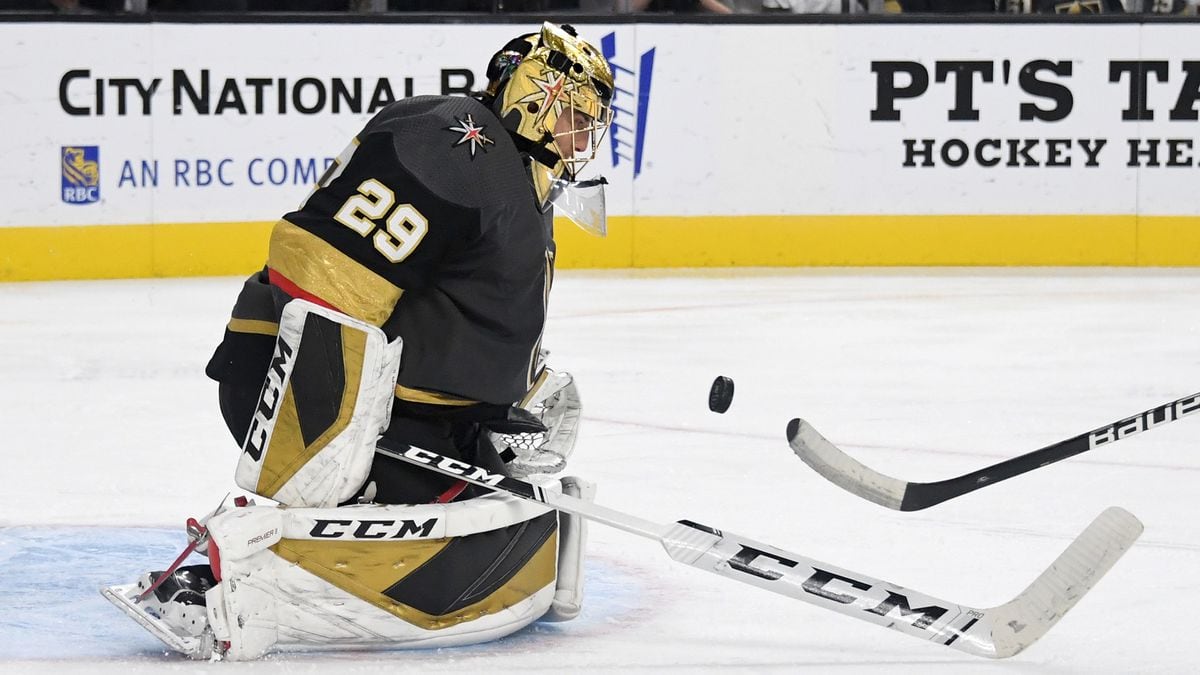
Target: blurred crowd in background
[1178,7]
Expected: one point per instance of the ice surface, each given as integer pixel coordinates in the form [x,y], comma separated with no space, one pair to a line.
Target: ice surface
[112,439]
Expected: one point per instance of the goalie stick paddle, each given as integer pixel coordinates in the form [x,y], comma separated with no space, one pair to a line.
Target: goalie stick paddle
[900,495]
[995,632]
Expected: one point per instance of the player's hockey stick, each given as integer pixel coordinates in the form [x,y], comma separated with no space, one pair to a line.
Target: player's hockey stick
[901,495]
[995,632]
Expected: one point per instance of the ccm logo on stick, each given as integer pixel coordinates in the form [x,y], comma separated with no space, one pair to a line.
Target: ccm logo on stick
[838,588]
[1147,420]
[454,466]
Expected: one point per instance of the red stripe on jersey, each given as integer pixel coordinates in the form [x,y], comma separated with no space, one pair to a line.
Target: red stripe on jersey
[295,291]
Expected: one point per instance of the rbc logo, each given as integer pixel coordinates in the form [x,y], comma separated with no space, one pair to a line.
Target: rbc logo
[81,174]
[631,103]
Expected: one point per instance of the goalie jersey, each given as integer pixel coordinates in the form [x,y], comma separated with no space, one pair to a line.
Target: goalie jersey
[426,226]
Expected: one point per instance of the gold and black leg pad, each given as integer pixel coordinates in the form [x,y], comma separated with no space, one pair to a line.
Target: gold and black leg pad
[326,400]
[398,576]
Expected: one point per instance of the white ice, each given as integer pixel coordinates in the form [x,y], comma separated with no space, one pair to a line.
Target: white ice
[112,437]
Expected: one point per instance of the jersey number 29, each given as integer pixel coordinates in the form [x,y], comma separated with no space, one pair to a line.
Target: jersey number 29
[399,234]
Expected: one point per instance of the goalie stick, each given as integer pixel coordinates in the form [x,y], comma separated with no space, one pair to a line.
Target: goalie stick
[996,632]
[899,495]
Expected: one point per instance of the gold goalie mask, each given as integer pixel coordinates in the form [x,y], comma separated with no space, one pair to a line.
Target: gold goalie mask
[553,93]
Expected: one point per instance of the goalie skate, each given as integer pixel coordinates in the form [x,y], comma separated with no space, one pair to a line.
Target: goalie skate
[155,618]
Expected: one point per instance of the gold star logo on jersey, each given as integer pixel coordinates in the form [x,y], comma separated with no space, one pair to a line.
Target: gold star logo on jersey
[471,133]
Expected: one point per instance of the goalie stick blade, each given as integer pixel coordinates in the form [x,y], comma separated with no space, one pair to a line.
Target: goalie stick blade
[1020,622]
[996,633]
[843,470]
[124,597]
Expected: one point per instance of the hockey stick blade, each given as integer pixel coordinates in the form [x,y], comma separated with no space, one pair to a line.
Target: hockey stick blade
[843,470]
[997,632]
[848,473]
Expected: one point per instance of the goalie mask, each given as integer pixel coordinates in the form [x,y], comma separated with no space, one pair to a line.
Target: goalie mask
[553,92]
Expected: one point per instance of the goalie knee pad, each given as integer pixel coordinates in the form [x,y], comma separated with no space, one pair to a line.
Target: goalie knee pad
[326,400]
[399,576]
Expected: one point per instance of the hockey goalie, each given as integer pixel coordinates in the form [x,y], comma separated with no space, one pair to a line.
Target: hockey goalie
[404,299]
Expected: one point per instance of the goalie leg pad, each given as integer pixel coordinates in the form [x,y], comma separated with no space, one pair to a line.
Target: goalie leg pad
[572,537]
[326,400]
[396,576]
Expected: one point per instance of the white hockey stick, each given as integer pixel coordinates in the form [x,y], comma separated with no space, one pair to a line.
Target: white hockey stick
[996,632]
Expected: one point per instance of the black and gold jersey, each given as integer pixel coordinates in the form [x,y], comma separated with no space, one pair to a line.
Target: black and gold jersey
[426,226]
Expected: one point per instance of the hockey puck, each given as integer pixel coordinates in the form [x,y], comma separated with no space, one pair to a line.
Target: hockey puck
[721,394]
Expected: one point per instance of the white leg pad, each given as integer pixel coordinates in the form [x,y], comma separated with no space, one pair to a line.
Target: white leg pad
[326,400]
[264,598]
[572,537]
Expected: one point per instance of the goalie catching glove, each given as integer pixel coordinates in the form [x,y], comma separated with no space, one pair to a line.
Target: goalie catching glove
[538,435]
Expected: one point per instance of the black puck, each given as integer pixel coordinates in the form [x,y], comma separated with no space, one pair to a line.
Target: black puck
[721,394]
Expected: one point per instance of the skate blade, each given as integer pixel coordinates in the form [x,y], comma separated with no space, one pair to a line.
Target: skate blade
[124,597]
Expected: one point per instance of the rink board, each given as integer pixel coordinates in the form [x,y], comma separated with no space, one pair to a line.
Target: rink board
[142,151]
